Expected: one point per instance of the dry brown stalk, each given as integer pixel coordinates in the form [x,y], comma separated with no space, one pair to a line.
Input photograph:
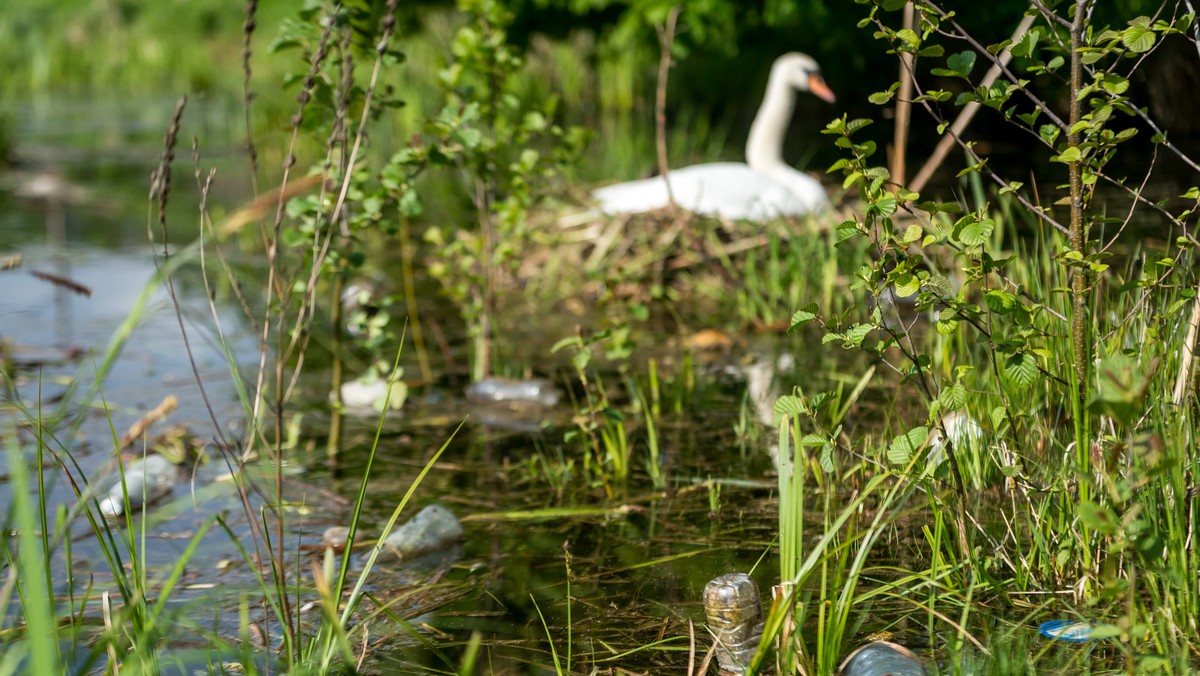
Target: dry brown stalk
[259,206]
[666,37]
[58,280]
[138,429]
[903,104]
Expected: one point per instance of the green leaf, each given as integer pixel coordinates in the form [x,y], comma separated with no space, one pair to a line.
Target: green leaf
[1000,302]
[846,231]
[1123,383]
[961,63]
[564,342]
[909,37]
[903,447]
[975,233]
[826,458]
[1049,133]
[1138,39]
[881,98]
[410,204]
[997,416]
[1114,84]
[858,123]
[1098,518]
[469,138]
[886,204]
[581,359]
[907,284]
[1021,368]
[802,316]
[788,405]
[940,285]
[954,397]
[1025,45]
[857,333]
[1071,154]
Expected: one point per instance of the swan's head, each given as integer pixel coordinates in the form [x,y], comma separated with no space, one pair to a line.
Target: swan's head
[802,72]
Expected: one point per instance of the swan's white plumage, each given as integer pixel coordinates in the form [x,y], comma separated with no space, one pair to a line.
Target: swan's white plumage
[729,189]
[764,187]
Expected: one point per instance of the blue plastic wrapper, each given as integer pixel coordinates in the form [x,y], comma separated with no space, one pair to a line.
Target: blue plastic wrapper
[1074,631]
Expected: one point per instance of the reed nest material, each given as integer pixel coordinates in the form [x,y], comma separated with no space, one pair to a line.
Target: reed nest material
[631,251]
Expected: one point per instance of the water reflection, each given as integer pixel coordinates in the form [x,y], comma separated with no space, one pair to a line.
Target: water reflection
[58,332]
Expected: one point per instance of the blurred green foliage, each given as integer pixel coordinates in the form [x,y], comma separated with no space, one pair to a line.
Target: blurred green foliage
[599,57]
[196,45]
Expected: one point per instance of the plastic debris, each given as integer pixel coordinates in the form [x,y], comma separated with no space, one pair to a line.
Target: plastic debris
[433,528]
[882,658]
[535,391]
[335,537]
[1075,631]
[734,613]
[147,481]
[360,306]
[369,392]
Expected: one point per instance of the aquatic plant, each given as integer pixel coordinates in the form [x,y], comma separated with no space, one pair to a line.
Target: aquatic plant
[1097,509]
[507,151]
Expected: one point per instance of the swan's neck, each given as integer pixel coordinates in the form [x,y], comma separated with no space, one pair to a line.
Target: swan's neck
[764,148]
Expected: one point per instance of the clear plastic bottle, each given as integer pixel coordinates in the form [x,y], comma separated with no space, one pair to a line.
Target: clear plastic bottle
[734,613]
[882,658]
[537,391]
[147,481]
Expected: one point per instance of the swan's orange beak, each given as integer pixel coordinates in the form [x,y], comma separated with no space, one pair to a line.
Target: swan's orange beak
[816,85]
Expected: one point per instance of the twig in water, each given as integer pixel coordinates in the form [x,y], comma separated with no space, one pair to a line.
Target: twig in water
[138,429]
[58,280]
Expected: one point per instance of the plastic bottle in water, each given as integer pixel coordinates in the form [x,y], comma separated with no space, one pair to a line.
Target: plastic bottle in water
[147,481]
[734,614]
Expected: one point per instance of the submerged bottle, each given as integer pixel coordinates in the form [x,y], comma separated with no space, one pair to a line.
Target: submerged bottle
[147,481]
[734,613]
[882,658]
[536,391]
[432,529]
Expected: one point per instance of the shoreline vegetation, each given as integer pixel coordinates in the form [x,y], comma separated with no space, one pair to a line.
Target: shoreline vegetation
[998,427]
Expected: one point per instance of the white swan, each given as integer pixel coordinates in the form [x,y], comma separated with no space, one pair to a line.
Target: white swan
[764,187]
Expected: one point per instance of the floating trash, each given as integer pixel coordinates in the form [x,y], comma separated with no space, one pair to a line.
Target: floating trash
[882,658]
[536,391]
[1075,631]
[335,537]
[734,612]
[433,528]
[369,392]
[147,481]
[361,300]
